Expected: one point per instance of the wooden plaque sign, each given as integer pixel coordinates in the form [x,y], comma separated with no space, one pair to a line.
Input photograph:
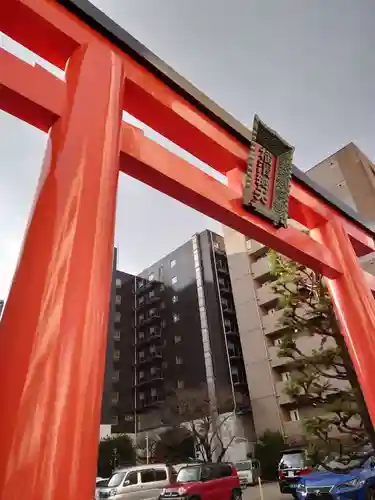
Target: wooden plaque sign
[268,175]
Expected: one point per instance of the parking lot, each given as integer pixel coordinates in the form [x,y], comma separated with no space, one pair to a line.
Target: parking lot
[270,492]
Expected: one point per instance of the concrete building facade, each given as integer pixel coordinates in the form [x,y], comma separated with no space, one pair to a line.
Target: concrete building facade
[350,177]
[174,327]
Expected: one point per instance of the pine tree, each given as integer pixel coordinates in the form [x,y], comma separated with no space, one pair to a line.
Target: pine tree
[321,376]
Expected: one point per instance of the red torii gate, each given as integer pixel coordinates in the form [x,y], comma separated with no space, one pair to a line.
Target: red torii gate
[54,327]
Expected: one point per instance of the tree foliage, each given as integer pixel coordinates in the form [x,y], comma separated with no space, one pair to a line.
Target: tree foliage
[322,374]
[115,451]
[210,431]
[268,451]
[176,445]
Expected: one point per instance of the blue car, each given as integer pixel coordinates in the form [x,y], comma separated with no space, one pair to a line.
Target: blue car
[358,484]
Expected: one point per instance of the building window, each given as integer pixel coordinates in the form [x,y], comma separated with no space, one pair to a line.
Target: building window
[235,374]
[117,317]
[164,365]
[175,299]
[152,348]
[151,294]
[151,277]
[118,299]
[118,282]
[285,376]
[141,317]
[294,415]
[162,305]
[178,360]
[114,420]
[141,335]
[141,354]
[173,263]
[174,280]
[177,339]
[180,384]
[141,300]
[163,323]
[153,392]
[141,396]
[153,370]
[141,375]
[152,312]
[116,355]
[176,317]
[115,376]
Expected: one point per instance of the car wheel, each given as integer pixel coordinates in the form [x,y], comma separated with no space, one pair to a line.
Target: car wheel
[237,495]
[370,493]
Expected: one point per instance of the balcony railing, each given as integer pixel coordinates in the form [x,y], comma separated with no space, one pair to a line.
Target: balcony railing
[150,379]
[145,287]
[238,381]
[231,331]
[149,338]
[147,302]
[234,354]
[227,308]
[150,318]
[150,358]
[222,268]
[224,287]
[150,402]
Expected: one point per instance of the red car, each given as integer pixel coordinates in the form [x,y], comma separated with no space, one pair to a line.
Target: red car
[205,482]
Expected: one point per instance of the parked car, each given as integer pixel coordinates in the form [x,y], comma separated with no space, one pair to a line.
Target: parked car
[293,464]
[139,482]
[205,482]
[358,484]
[248,472]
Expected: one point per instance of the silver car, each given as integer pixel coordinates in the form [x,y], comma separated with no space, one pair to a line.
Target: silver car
[143,482]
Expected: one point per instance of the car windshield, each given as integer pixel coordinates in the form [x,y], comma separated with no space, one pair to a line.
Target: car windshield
[292,461]
[102,482]
[116,479]
[243,466]
[188,475]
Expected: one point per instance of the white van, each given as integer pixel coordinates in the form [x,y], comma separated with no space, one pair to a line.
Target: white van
[248,471]
[143,482]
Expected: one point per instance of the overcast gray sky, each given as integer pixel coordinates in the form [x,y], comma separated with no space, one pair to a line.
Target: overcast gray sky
[307,68]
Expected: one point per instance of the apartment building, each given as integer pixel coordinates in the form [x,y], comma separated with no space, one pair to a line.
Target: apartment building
[174,327]
[350,177]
